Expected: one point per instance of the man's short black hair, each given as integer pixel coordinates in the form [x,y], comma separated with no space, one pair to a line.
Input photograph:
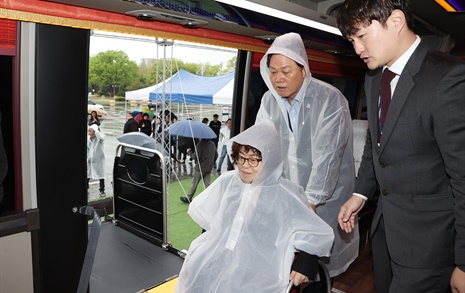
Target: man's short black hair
[353,13]
[216,115]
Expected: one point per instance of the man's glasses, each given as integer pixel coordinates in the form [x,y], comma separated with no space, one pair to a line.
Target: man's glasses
[252,161]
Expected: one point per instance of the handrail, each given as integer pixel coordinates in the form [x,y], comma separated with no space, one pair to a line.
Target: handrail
[26,221]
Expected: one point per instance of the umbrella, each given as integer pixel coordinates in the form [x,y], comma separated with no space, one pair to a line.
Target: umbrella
[138,117]
[148,111]
[136,111]
[191,128]
[138,139]
[138,114]
[100,112]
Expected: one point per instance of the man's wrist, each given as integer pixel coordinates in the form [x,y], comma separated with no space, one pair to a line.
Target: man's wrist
[360,195]
[461,267]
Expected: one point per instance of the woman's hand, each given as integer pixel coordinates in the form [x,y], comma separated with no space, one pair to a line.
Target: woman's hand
[298,278]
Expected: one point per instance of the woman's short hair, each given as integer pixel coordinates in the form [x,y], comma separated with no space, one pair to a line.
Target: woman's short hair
[236,147]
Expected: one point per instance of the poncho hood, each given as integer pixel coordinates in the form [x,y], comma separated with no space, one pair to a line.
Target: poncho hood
[264,137]
[291,46]
[94,127]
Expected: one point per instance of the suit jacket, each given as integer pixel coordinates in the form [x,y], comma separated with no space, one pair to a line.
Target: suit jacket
[420,161]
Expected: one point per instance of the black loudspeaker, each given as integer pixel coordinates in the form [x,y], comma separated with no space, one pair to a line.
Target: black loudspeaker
[139,193]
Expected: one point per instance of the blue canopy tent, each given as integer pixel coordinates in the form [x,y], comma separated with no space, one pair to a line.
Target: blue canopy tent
[185,87]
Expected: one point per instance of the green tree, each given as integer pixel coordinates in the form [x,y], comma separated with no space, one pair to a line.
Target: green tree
[163,68]
[230,66]
[203,69]
[111,72]
[171,66]
[153,71]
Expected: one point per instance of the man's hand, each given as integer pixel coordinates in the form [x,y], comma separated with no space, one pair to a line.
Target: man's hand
[312,206]
[457,281]
[298,278]
[348,213]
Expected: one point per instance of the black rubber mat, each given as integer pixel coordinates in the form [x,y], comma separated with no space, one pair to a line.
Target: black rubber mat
[126,263]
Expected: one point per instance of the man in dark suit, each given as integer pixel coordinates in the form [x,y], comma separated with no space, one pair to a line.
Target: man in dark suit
[416,157]
[131,125]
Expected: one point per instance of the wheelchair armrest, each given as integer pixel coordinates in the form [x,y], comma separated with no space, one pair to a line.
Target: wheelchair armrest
[324,278]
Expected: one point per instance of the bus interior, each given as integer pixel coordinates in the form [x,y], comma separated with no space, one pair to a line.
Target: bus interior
[44,55]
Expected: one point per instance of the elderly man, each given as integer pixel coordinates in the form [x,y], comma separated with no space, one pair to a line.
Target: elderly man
[314,123]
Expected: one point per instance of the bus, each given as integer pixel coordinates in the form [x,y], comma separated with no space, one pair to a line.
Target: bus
[44,56]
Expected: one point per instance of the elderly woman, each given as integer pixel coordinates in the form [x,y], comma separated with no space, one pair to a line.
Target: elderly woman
[255,221]
[96,157]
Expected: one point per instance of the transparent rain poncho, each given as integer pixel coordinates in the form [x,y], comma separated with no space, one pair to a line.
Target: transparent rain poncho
[318,154]
[95,155]
[252,230]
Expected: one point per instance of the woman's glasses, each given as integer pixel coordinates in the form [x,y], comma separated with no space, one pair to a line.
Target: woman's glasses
[253,162]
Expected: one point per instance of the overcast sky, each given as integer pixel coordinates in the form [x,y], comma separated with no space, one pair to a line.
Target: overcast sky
[137,48]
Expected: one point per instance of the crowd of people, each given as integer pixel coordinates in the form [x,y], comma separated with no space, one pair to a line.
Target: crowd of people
[203,153]
[178,148]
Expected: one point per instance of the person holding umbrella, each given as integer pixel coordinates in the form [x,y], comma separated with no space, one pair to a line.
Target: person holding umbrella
[94,119]
[205,156]
[185,143]
[145,125]
[204,152]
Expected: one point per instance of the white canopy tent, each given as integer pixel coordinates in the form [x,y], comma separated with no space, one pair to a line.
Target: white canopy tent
[144,93]
[185,87]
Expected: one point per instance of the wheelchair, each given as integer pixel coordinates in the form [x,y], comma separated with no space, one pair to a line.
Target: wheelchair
[323,273]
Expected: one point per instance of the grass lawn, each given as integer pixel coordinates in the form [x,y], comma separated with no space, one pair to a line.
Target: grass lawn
[181,228]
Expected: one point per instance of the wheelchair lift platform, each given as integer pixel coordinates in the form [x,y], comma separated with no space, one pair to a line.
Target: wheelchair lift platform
[125,262]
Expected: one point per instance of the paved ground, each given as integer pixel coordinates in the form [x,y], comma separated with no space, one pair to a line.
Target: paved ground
[112,126]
